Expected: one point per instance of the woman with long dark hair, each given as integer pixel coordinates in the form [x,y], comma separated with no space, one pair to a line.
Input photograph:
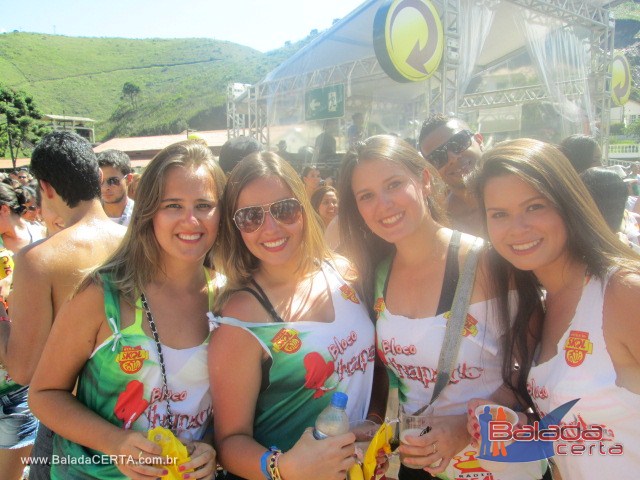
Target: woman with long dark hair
[574,333]
[394,229]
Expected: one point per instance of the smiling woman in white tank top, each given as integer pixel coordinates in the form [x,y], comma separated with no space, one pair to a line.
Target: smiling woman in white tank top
[552,241]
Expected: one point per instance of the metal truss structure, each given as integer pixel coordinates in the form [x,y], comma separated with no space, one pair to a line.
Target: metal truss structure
[440,92]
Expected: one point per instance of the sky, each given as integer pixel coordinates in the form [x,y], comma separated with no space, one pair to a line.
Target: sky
[260,24]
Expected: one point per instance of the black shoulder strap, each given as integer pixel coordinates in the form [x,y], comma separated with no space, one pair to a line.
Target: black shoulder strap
[263,299]
[451,275]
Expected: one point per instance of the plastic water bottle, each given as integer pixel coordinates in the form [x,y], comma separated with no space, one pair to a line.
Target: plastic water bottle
[333,420]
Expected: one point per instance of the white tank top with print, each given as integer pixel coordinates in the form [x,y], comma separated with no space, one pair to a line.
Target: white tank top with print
[582,369]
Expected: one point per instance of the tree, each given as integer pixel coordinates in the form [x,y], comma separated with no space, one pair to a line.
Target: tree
[22,127]
[131,91]
[633,130]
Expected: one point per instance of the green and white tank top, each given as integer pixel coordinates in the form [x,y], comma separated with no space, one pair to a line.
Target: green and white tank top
[308,361]
[122,383]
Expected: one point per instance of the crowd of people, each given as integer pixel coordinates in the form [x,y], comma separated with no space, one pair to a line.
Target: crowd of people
[225,299]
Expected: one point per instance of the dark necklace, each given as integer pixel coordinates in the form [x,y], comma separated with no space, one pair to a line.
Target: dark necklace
[165,389]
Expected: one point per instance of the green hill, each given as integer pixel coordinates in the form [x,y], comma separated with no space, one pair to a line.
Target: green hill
[182,81]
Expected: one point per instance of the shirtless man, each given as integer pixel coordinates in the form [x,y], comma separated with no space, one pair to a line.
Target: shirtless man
[47,272]
[453,149]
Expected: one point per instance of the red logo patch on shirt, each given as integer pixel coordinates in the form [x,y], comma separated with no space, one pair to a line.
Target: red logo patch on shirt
[349,293]
[469,325]
[286,341]
[577,347]
[131,359]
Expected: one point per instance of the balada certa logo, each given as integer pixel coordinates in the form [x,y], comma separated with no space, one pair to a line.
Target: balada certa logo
[502,441]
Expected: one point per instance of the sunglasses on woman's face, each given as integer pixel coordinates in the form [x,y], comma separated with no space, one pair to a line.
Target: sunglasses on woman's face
[457,144]
[250,219]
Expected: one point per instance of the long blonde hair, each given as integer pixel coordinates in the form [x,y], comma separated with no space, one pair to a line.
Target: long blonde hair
[232,255]
[137,260]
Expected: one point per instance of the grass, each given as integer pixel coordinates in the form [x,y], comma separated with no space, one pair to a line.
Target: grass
[182,81]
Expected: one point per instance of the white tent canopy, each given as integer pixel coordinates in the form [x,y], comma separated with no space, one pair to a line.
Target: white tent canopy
[520,52]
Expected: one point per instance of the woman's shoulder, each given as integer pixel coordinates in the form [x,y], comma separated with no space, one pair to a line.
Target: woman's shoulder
[343,267]
[623,293]
[467,241]
[88,303]
[622,296]
[483,272]
[621,327]
[244,306]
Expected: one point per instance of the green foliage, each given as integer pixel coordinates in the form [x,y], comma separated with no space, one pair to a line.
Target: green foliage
[633,130]
[616,129]
[627,11]
[131,91]
[21,128]
[183,81]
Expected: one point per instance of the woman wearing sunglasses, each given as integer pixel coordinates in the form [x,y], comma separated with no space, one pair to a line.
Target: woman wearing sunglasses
[292,331]
[584,285]
[391,217]
[134,338]
[28,200]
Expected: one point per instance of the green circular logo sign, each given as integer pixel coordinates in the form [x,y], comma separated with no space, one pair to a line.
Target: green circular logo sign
[408,39]
[620,79]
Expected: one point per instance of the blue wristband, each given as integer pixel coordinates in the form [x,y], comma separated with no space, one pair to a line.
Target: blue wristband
[263,462]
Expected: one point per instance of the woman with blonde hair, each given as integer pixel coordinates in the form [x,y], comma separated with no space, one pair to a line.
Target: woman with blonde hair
[293,328]
[394,229]
[135,335]
[570,271]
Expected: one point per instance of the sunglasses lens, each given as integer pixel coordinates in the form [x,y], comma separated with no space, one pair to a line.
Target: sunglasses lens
[249,219]
[438,158]
[286,211]
[113,181]
[459,142]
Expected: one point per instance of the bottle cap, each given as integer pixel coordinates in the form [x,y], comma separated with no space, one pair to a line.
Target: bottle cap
[339,400]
